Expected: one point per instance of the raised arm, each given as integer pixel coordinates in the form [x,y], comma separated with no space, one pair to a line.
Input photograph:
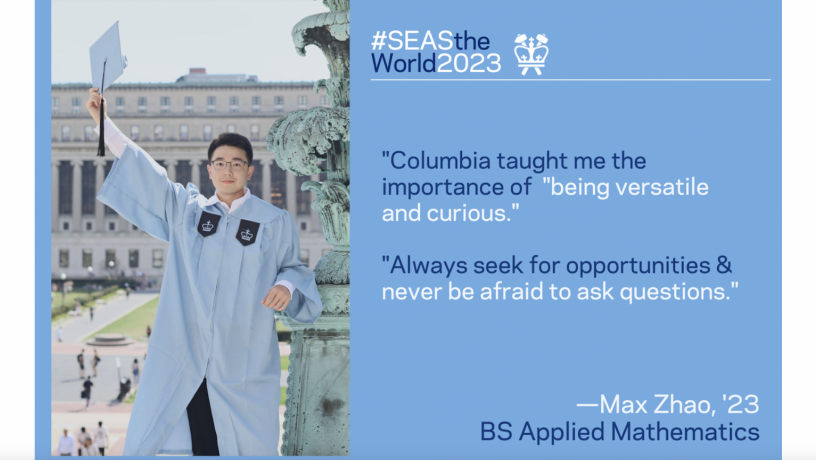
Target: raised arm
[137,187]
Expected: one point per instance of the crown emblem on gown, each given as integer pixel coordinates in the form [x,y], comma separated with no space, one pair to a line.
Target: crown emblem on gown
[536,52]
[207,227]
[246,235]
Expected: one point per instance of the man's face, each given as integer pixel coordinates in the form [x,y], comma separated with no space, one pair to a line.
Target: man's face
[87,442]
[230,180]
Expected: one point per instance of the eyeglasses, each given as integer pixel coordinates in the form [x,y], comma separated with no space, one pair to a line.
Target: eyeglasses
[237,165]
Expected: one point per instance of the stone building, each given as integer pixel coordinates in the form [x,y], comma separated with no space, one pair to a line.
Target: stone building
[174,123]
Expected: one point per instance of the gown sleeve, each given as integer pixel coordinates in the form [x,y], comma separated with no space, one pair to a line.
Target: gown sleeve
[138,189]
[305,306]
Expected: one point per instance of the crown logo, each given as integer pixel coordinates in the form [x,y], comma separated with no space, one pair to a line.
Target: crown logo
[207,227]
[246,235]
[533,57]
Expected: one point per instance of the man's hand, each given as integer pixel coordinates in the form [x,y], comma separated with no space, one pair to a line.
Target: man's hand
[277,298]
[93,104]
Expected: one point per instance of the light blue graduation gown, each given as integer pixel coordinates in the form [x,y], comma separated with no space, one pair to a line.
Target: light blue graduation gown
[210,321]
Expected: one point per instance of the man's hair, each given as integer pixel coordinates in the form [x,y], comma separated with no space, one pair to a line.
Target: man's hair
[100,423]
[83,429]
[231,139]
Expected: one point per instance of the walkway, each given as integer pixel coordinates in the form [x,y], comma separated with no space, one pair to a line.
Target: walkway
[80,327]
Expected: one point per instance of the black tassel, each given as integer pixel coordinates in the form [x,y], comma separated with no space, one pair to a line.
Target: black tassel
[100,152]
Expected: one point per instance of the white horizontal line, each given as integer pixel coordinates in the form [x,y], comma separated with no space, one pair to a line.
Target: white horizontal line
[587,405]
[570,79]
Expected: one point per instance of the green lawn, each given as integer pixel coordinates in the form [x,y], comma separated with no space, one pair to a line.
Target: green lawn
[283,396]
[134,324]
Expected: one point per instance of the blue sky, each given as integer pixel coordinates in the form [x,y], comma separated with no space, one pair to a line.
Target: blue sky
[163,39]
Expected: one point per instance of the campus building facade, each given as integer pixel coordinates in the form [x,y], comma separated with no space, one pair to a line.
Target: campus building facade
[174,123]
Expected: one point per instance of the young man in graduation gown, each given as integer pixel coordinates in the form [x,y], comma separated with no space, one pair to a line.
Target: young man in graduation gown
[211,384]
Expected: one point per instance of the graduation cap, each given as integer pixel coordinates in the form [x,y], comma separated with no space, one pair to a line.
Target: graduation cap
[107,64]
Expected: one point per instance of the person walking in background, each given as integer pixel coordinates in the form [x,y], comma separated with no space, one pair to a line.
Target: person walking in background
[90,309]
[89,448]
[66,444]
[81,361]
[148,332]
[127,292]
[96,360]
[81,438]
[87,393]
[101,438]
[59,334]
[135,371]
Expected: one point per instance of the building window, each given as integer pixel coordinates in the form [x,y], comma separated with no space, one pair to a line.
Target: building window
[324,101]
[89,226]
[110,258]
[87,258]
[54,105]
[120,105]
[133,258]
[134,132]
[66,133]
[278,103]
[304,197]
[256,104]
[112,226]
[142,104]
[158,133]
[233,104]
[188,104]
[184,172]
[184,132]
[158,258]
[89,133]
[88,188]
[63,258]
[304,256]
[133,227]
[66,226]
[303,226]
[75,104]
[207,132]
[165,105]
[255,132]
[66,187]
[230,128]
[210,104]
[302,101]
[278,187]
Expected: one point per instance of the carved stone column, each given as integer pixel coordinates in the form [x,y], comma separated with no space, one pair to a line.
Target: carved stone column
[316,421]
[171,170]
[55,196]
[195,175]
[76,197]
[266,179]
[291,194]
[99,208]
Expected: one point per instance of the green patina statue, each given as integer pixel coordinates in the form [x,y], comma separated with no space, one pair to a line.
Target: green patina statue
[306,142]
